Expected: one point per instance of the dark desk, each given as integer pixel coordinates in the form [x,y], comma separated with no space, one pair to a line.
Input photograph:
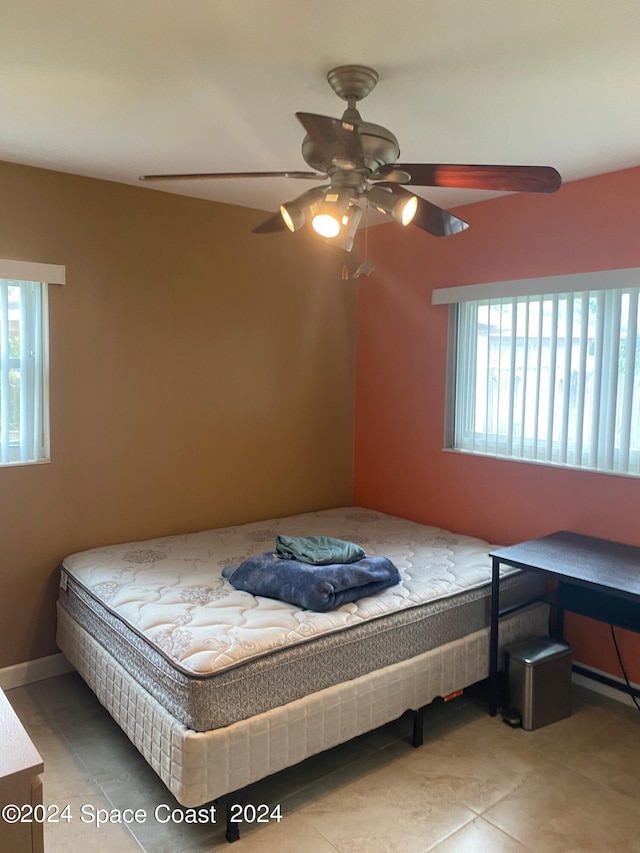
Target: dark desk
[595,577]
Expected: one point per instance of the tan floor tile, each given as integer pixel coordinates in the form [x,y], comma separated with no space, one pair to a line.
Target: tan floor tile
[295,788]
[64,774]
[26,707]
[292,835]
[63,698]
[77,835]
[142,789]
[107,752]
[387,810]
[343,760]
[478,837]
[477,764]
[563,812]
[613,758]
[554,789]
[174,837]
[622,709]
[556,740]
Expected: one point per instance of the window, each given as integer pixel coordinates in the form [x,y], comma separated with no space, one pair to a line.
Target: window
[24,362]
[552,377]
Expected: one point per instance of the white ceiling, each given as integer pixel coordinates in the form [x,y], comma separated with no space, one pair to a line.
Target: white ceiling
[119,88]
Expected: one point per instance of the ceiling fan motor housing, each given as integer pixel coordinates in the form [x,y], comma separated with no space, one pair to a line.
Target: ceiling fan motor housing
[379,145]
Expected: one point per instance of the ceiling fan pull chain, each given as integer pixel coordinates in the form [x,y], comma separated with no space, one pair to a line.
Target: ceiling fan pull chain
[367,266]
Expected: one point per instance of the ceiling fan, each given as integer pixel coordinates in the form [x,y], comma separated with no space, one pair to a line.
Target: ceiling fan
[357,160]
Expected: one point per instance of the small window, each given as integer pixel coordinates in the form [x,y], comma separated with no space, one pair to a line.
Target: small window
[24,372]
[552,378]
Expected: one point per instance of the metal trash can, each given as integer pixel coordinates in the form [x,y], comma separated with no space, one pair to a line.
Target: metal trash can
[538,675]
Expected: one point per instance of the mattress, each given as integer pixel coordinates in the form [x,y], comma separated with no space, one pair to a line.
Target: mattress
[212,655]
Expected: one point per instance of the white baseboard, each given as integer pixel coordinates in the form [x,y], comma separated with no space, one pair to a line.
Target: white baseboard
[604,689]
[33,670]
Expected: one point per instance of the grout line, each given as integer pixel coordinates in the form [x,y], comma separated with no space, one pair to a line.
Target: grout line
[320,833]
[466,824]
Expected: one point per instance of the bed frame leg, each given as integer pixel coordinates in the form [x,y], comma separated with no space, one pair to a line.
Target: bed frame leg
[417,738]
[232,831]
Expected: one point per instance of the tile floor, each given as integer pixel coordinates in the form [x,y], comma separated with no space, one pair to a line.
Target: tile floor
[476,785]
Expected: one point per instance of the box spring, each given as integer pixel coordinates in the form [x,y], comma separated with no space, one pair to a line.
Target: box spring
[197,767]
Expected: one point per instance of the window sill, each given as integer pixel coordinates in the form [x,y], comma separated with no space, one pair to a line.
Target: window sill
[539,463]
[23,464]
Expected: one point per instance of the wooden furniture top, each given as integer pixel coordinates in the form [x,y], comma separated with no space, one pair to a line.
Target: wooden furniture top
[17,754]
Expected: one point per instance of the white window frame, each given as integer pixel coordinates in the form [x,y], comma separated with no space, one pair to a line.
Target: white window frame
[611,447]
[31,445]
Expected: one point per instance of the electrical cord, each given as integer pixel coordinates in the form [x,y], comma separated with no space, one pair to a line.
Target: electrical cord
[624,672]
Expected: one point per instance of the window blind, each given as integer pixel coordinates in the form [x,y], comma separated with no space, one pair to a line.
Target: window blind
[24,359]
[552,378]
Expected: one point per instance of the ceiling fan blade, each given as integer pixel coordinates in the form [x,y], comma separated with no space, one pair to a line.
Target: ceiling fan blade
[337,141]
[271,225]
[532,179]
[430,217]
[307,176]
[437,221]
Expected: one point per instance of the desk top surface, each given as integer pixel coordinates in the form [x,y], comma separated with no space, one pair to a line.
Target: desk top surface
[581,559]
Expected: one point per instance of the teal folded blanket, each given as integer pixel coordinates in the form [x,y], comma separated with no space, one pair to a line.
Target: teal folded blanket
[312,587]
[318,550]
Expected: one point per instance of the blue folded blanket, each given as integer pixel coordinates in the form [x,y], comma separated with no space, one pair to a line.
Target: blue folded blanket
[319,550]
[313,587]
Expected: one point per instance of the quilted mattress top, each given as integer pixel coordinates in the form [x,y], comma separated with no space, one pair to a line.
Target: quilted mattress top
[171,591]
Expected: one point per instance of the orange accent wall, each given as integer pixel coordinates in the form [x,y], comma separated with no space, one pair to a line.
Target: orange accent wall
[400,466]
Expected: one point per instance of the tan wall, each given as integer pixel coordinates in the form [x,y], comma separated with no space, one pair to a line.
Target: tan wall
[200,375]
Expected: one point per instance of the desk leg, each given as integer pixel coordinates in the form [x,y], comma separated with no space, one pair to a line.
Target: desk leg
[559,632]
[493,641]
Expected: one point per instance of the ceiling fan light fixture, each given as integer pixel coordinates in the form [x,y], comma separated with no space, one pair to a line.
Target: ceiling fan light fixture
[295,213]
[294,218]
[401,208]
[406,209]
[327,221]
[326,225]
[350,222]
